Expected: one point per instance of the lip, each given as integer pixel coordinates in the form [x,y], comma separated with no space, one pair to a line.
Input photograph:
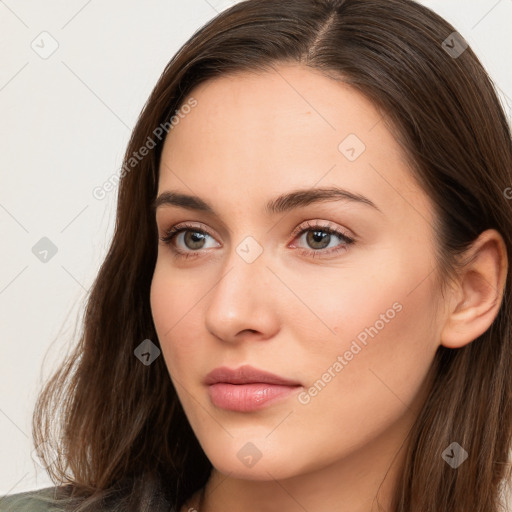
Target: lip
[247,388]
[246,375]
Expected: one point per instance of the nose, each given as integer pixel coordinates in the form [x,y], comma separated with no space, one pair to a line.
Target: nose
[244,301]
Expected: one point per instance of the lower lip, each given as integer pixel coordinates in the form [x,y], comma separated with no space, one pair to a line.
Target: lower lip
[247,397]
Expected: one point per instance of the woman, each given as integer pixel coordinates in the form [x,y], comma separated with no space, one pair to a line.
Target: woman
[306,302]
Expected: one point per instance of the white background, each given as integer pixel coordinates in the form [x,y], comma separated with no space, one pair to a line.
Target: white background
[65,123]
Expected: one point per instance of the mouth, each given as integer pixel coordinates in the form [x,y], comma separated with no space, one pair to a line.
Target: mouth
[246,389]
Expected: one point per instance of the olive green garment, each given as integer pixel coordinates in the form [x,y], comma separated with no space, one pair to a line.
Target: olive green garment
[30,501]
[33,501]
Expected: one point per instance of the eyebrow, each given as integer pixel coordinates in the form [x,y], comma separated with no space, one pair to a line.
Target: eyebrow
[283,203]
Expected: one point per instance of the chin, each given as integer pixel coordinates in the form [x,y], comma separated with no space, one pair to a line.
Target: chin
[256,458]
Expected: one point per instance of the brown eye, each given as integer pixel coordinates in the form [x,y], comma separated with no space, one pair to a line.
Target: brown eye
[192,241]
[318,238]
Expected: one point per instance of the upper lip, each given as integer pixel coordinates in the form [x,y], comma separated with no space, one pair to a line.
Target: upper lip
[246,375]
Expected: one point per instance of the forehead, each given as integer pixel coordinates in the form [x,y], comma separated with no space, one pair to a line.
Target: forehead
[253,136]
[275,113]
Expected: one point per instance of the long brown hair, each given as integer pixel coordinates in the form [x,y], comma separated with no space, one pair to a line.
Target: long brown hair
[118,426]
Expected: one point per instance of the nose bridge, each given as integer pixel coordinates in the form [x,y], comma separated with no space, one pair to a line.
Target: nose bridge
[242,298]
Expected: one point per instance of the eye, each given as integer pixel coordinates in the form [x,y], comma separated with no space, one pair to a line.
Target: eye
[193,237]
[320,237]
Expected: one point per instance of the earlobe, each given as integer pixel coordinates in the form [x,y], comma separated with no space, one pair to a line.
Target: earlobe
[479,293]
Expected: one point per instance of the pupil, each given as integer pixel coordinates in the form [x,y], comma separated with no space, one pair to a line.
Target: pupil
[195,237]
[318,237]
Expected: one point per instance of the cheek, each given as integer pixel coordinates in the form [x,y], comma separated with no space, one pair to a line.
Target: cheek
[387,335]
[173,316]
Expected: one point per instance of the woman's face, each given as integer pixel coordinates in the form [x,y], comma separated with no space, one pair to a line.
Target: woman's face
[346,319]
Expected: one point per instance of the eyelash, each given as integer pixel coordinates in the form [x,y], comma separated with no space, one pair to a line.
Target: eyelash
[174,231]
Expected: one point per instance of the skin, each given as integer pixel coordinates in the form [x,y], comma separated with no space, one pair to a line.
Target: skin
[250,138]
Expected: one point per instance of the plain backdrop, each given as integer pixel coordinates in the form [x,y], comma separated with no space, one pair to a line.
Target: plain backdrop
[65,122]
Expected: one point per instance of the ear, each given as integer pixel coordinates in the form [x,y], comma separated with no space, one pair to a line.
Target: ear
[477,297]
